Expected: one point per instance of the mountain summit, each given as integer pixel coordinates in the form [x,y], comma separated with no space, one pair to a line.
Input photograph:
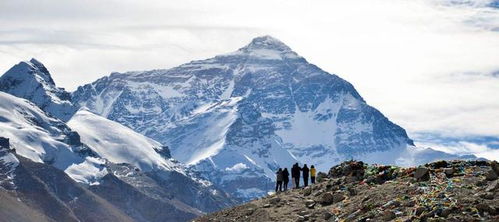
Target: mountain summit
[32,81]
[238,117]
[266,42]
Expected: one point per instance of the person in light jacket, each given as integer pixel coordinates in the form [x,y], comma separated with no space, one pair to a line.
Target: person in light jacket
[313,173]
[279,177]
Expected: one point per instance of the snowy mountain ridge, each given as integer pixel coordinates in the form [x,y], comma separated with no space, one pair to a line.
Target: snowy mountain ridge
[92,150]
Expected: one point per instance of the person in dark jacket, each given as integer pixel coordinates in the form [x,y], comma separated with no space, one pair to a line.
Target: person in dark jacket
[296,172]
[305,175]
[285,179]
[279,177]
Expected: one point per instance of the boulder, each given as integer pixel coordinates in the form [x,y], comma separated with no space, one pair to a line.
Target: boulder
[422,174]
[325,198]
[449,172]
[337,197]
[495,166]
[491,175]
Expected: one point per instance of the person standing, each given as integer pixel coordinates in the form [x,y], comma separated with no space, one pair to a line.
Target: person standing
[305,175]
[296,171]
[285,178]
[312,174]
[279,177]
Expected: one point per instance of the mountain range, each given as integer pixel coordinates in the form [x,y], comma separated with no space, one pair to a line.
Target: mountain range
[194,138]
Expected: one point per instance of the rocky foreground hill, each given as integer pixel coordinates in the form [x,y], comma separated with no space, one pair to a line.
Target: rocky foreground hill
[354,191]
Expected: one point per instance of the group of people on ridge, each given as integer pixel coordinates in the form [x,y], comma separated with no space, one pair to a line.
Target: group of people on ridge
[282,176]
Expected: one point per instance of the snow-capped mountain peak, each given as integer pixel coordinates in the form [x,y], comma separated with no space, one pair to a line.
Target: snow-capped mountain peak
[266,48]
[238,117]
[40,69]
[32,81]
[266,42]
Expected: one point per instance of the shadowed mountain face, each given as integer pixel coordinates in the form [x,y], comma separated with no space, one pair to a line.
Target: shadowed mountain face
[50,193]
[237,117]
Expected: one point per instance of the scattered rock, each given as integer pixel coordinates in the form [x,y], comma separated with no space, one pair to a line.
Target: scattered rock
[422,174]
[327,215]
[337,197]
[391,203]
[266,205]
[300,218]
[275,200]
[410,203]
[419,211]
[307,191]
[310,204]
[352,191]
[321,177]
[302,213]
[487,195]
[249,211]
[388,215]
[483,207]
[325,198]
[445,212]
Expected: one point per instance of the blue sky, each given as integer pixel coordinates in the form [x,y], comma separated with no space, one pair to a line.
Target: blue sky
[430,66]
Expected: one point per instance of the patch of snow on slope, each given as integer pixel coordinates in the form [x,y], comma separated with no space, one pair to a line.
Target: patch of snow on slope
[8,164]
[118,143]
[306,130]
[105,101]
[208,137]
[89,172]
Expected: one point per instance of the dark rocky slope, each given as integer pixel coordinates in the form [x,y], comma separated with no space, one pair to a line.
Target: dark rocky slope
[49,191]
[354,191]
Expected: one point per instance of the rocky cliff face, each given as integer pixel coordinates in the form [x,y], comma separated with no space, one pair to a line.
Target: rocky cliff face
[354,191]
[238,117]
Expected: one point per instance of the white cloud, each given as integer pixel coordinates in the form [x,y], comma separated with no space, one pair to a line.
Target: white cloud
[411,59]
[237,167]
[464,148]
